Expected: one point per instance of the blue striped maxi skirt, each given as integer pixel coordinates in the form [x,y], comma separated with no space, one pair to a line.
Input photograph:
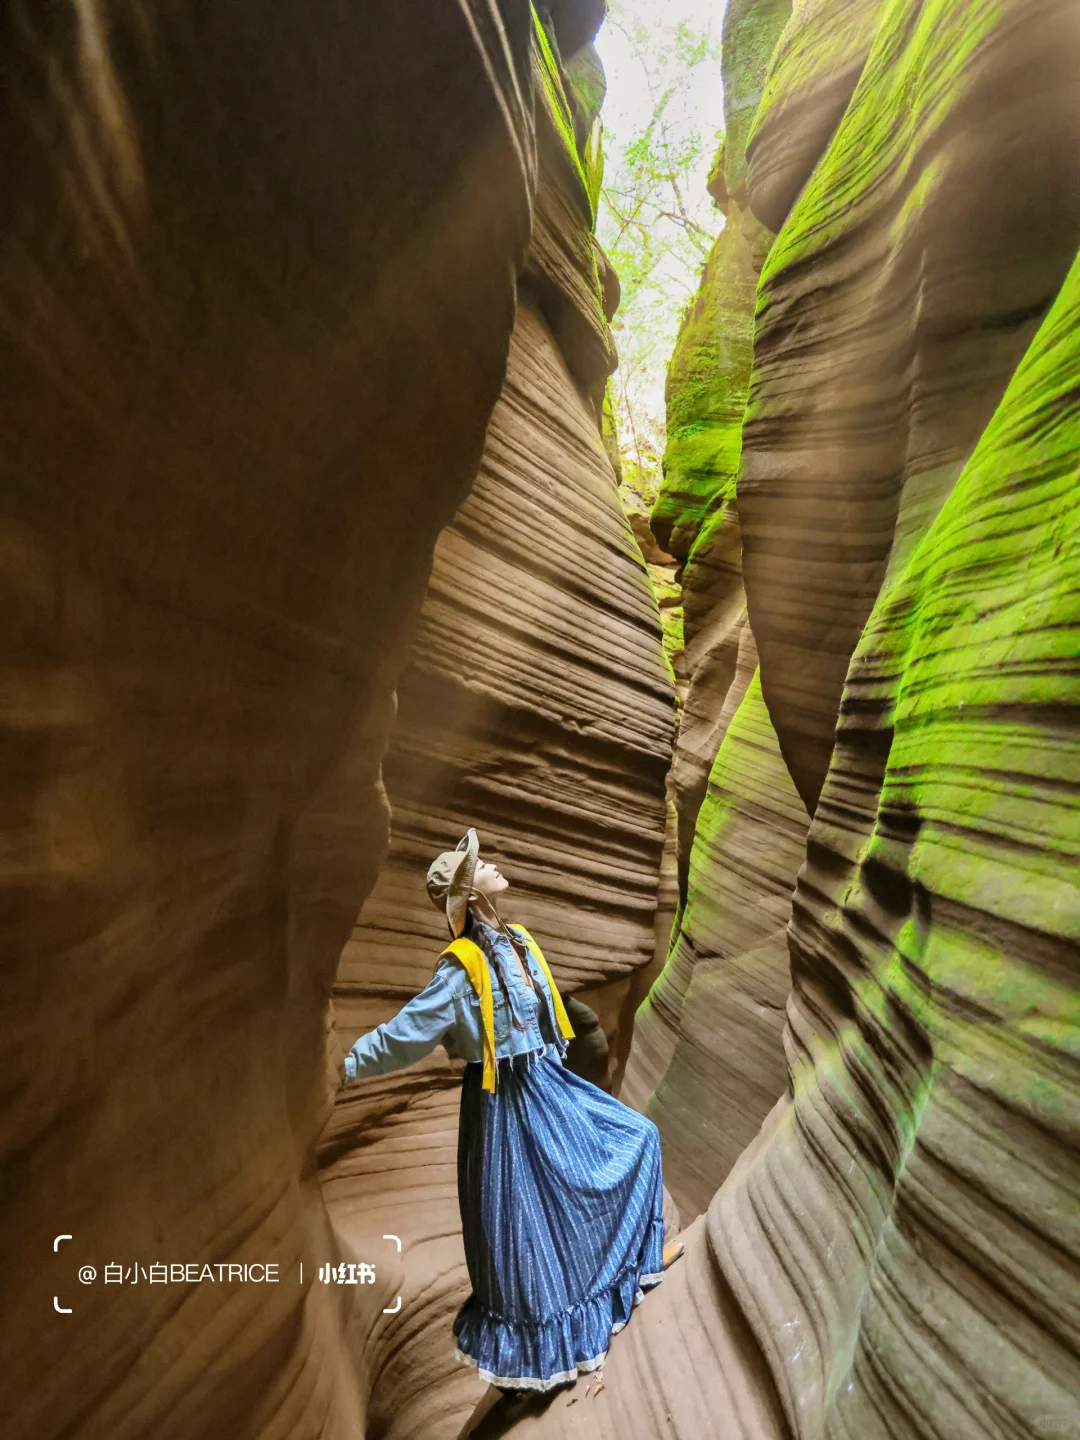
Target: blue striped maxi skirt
[562,1211]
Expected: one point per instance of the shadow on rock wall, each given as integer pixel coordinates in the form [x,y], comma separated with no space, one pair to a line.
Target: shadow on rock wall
[257,286]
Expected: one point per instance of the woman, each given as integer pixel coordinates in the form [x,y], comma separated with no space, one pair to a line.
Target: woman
[559,1183]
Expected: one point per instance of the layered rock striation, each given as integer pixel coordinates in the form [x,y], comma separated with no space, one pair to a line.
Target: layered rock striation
[257,286]
[239,341]
[896,1251]
[708,1061]
[537,706]
[905,238]
[934,943]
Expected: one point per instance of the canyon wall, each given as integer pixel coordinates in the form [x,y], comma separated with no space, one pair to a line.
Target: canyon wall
[896,1252]
[708,1063]
[537,706]
[276,285]
[257,289]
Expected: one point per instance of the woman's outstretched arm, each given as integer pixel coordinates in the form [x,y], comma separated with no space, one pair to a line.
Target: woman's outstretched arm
[407,1036]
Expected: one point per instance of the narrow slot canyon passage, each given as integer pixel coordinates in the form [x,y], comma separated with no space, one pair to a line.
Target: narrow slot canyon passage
[641,439]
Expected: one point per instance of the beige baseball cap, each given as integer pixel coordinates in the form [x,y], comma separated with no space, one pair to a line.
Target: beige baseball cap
[450,880]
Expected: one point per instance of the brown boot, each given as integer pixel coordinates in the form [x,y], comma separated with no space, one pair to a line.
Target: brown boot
[672,1253]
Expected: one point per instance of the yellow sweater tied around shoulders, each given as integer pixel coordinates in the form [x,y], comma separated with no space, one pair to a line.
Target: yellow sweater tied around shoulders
[476,967]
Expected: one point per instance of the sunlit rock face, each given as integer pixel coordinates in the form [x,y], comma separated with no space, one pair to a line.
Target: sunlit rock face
[817,64]
[934,945]
[896,1251]
[695,516]
[537,707]
[708,1061]
[249,357]
[917,262]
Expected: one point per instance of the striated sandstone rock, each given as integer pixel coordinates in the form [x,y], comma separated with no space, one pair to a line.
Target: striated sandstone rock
[695,516]
[209,347]
[897,1251]
[916,265]
[565,262]
[707,1061]
[818,62]
[537,704]
[710,1030]
[538,707]
[750,32]
[933,1137]
[935,941]
[256,288]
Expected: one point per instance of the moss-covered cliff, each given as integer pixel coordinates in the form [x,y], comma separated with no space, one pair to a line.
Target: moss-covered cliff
[895,1251]
[711,1025]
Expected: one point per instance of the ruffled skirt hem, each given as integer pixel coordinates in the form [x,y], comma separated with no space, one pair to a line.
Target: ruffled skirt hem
[530,1382]
[542,1356]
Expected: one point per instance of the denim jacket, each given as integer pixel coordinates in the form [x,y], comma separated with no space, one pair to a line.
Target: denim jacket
[447,1012]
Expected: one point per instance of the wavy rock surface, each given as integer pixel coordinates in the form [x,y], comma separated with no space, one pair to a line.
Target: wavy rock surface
[707,1062]
[818,63]
[935,1012]
[896,1252]
[695,516]
[917,263]
[238,340]
[237,344]
[538,707]
[711,1028]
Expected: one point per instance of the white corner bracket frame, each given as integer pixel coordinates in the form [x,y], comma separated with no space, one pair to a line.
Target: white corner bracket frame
[60,1310]
[393,1310]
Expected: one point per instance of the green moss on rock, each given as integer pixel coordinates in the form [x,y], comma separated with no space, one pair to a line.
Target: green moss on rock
[751,28]
[815,67]
[881,126]
[706,395]
[561,111]
[609,433]
[709,374]
[934,940]
[970,661]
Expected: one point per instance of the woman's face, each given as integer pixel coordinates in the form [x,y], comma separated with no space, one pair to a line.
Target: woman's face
[488,880]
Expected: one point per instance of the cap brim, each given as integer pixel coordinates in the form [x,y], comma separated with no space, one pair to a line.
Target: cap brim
[457,896]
